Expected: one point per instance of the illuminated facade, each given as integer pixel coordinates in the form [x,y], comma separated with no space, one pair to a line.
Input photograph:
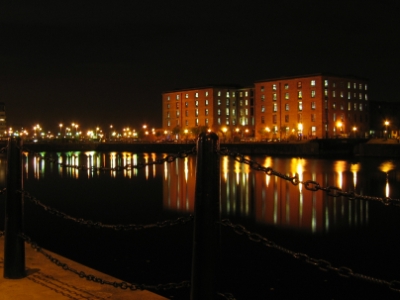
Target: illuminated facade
[311,106]
[308,106]
[226,110]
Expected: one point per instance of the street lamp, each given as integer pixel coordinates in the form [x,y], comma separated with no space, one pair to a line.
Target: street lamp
[61,125]
[186,132]
[339,126]
[386,128]
[354,131]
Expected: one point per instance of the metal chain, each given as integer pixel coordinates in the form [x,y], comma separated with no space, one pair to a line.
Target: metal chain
[323,265]
[169,159]
[122,285]
[308,184]
[117,227]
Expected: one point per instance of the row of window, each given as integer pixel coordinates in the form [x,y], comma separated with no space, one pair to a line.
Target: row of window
[313,95]
[360,86]
[219,94]
[242,112]
[341,117]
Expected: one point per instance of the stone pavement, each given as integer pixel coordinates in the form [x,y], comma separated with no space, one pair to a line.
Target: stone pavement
[46,280]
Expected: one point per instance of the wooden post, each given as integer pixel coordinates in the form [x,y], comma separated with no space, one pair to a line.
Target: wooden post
[14,246]
[206,237]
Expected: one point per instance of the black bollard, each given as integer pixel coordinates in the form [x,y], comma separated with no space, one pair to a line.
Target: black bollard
[14,246]
[206,236]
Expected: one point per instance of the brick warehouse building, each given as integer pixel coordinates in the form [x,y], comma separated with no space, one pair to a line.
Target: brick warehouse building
[298,107]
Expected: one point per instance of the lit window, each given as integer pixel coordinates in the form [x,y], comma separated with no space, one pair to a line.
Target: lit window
[233,112]
[168,106]
[219,101]
[206,112]
[333,94]
[168,115]
[348,105]
[227,94]
[299,84]
[341,106]
[360,86]
[241,102]
[366,87]
[360,107]
[313,130]
[177,97]
[227,121]
[334,117]
[219,121]
[177,113]
[287,96]
[334,105]
[206,102]
[275,107]
[246,94]
[313,105]
[197,112]
[366,97]
[227,102]
[348,84]
[262,97]
[197,122]
[326,93]
[186,104]
[241,94]
[196,103]
[219,112]
[262,108]
[186,96]
[286,86]
[233,94]
[274,87]
[196,95]
[326,83]
[262,88]
[355,106]
[246,111]
[219,93]
[168,123]
[246,102]
[287,106]
[299,95]
[354,85]
[206,93]
[312,82]
[300,105]
[348,95]
[312,94]
[234,122]
[206,121]
[227,111]
[360,96]
[168,98]
[274,96]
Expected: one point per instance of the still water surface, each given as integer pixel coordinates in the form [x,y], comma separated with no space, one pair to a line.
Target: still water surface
[357,234]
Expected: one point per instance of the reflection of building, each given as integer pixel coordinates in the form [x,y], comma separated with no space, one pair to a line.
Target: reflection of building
[227,110]
[270,199]
[3,125]
[307,106]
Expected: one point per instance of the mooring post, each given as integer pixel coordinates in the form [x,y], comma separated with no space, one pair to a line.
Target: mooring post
[14,246]
[206,237]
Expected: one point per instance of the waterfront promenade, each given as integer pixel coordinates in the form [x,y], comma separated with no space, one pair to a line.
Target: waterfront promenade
[45,280]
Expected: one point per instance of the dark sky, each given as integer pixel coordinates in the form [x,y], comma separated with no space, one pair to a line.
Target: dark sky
[107,62]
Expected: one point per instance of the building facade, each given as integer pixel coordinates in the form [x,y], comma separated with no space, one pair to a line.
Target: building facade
[311,106]
[300,107]
[226,110]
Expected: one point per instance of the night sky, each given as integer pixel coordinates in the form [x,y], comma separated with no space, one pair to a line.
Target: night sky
[98,63]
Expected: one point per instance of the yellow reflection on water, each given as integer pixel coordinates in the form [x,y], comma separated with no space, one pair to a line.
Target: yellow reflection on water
[339,167]
[355,168]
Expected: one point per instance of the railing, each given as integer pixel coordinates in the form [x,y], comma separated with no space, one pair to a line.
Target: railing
[207,221]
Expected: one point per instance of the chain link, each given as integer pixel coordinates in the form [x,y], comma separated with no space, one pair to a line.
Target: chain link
[169,159]
[310,185]
[321,264]
[116,227]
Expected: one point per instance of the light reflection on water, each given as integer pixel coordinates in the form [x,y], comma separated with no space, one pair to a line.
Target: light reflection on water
[245,193]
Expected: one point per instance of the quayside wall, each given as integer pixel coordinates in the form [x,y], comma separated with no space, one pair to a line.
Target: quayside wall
[311,148]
